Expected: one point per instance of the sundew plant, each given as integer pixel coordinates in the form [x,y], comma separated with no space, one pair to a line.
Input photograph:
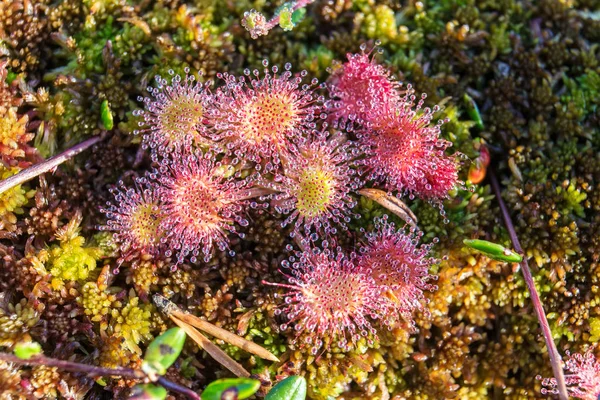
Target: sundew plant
[379,199]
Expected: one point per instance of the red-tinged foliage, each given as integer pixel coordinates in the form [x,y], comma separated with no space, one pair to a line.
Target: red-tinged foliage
[315,183]
[174,114]
[359,87]
[256,118]
[582,377]
[327,296]
[406,152]
[398,265]
[201,205]
[135,216]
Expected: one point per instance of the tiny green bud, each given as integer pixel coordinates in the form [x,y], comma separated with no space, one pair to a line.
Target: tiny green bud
[148,392]
[26,350]
[163,351]
[493,250]
[231,388]
[291,388]
[226,171]
[106,116]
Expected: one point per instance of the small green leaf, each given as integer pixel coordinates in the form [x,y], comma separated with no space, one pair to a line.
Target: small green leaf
[26,350]
[224,388]
[298,15]
[285,18]
[163,351]
[473,111]
[106,116]
[10,77]
[148,392]
[291,388]
[493,250]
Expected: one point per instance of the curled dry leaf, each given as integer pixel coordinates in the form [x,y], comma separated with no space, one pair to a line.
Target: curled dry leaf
[392,203]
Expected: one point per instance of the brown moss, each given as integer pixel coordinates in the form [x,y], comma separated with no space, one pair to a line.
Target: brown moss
[23,25]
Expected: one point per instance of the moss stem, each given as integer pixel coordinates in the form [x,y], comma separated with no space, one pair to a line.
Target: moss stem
[91,370]
[555,358]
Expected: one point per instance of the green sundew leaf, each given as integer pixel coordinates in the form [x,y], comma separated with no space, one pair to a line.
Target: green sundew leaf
[285,18]
[473,111]
[148,392]
[493,250]
[163,351]
[253,19]
[291,388]
[26,350]
[106,116]
[298,15]
[240,387]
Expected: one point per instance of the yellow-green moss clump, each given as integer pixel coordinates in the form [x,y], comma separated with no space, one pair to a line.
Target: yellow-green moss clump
[133,323]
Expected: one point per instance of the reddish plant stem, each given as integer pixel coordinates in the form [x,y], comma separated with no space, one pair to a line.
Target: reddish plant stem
[45,166]
[169,385]
[555,358]
[95,371]
[70,366]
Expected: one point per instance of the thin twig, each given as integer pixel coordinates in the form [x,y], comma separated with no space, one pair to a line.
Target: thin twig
[45,166]
[96,371]
[91,370]
[555,358]
[167,384]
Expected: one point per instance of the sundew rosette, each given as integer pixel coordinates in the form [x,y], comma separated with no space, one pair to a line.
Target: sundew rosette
[405,152]
[256,117]
[359,87]
[328,301]
[399,265]
[135,215]
[173,115]
[314,184]
[582,377]
[203,202]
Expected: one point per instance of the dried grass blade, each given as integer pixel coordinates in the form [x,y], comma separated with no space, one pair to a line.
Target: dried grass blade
[211,348]
[392,203]
[225,335]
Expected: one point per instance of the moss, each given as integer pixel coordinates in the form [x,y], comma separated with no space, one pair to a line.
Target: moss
[70,259]
[13,138]
[379,23]
[133,323]
[97,304]
[45,381]
[13,200]
[16,321]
